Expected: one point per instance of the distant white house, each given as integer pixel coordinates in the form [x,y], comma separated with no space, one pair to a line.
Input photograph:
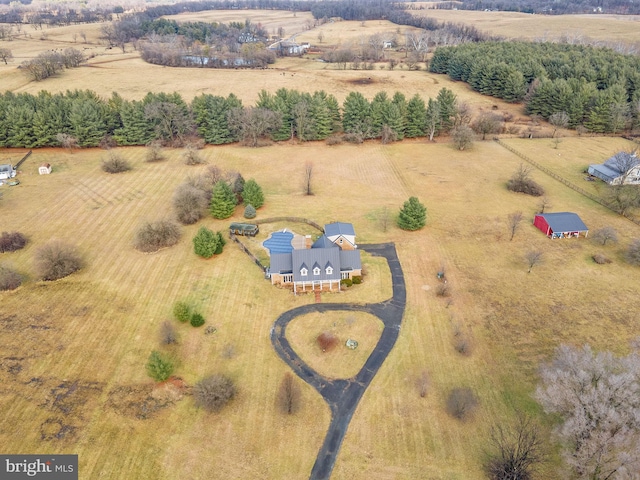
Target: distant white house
[44,169]
[6,171]
[621,169]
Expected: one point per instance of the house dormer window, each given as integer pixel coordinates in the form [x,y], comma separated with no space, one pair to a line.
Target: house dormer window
[316,271]
[303,272]
[329,271]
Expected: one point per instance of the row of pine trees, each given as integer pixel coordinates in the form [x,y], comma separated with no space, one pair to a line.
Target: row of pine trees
[31,121]
[597,87]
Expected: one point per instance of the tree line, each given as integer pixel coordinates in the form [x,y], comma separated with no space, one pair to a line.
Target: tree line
[597,88]
[48,119]
[549,7]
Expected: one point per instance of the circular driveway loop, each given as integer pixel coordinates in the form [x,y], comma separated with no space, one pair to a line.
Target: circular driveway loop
[343,395]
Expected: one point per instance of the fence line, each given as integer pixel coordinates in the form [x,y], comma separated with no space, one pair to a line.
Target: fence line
[17,165]
[572,186]
[290,219]
[248,252]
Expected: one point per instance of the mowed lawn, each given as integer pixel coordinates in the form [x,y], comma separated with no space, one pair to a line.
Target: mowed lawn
[72,366]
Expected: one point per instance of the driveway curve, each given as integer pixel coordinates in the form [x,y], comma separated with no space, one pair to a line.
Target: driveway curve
[343,395]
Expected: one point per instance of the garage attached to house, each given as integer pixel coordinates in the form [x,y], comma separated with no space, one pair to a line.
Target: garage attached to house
[560,225]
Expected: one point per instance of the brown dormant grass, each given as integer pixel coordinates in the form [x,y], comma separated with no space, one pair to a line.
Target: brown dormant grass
[88,336]
[339,362]
[604,28]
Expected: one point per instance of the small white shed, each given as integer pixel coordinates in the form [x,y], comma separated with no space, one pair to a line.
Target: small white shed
[44,169]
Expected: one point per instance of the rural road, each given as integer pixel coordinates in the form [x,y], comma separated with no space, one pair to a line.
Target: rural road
[343,395]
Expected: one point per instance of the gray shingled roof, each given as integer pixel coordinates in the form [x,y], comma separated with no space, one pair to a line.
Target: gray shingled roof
[614,167]
[564,222]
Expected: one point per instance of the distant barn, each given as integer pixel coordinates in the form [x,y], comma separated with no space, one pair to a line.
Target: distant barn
[560,225]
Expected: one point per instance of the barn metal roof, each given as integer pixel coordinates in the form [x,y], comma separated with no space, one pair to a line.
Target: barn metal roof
[564,222]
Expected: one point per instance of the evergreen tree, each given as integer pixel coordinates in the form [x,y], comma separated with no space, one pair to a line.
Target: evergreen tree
[357,114]
[252,194]
[249,211]
[416,117]
[399,124]
[159,367]
[211,117]
[135,129]
[413,215]
[223,201]
[447,101]
[379,113]
[221,243]
[205,243]
[87,122]
[432,118]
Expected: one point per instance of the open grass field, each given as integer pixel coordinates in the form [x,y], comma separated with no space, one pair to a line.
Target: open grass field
[605,28]
[72,376]
[72,366]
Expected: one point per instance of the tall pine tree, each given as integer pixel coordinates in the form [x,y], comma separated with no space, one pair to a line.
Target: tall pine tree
[223,201]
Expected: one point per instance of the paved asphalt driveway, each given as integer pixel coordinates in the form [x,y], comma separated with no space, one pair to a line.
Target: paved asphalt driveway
[343,395]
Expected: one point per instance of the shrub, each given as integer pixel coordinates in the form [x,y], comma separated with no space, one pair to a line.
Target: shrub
[182,311]
[288,395]
[197,320]
[601,259]
[346,282]
[189,203]
[327,341]
[213,392]
[357,280]
[205,243]
[9,278]
[154,153]
[159,367]
[192,157]
[115,163]
[461,403]
[356,138]
[152,236]
[443,290]
[56,260]
[249,212]
[12,241]
[521,182]
[334,140]
[633,252]
[168,334]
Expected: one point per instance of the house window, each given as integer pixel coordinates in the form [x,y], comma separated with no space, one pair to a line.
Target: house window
[340,241]
[329,271]
[316,271]
[344,275]
[303,272]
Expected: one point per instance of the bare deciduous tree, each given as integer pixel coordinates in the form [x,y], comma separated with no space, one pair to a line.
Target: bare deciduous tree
[513,222]
[67,141]
[558,120]
[422,383]
[633,252]
[514,450]
[461,403]
[543,205]
[168,334]
[604,235]
[252,124]
[308,177]
[487,122]
[462,137]
[533,257]
[598,397]
[289,396]
[214,392]
[5,55]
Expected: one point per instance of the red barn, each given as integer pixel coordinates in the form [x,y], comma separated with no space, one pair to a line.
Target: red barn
[560,225]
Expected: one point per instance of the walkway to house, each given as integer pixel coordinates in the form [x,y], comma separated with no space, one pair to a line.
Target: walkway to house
[343,395]
[318,296]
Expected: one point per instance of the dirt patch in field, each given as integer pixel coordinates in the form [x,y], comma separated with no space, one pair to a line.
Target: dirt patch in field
[144,401]
[361,81]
